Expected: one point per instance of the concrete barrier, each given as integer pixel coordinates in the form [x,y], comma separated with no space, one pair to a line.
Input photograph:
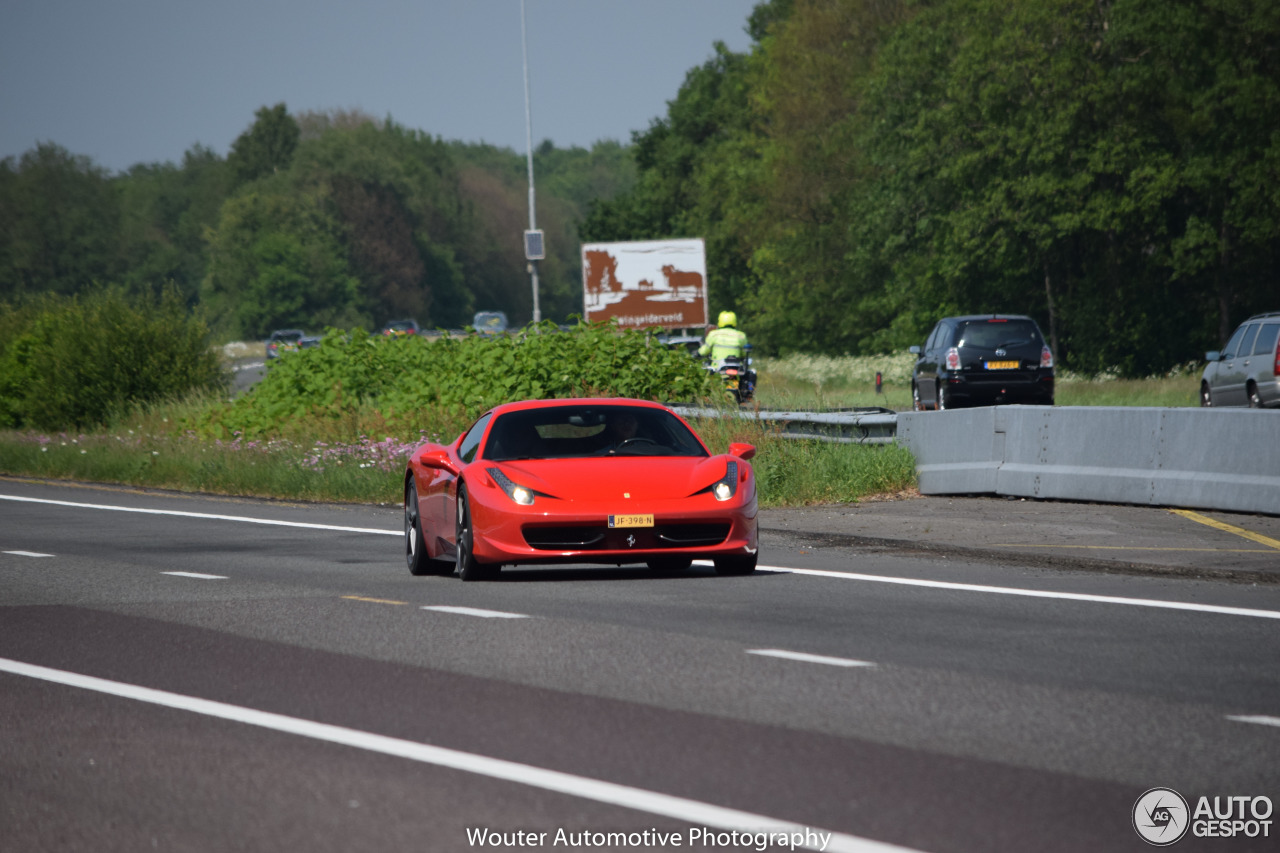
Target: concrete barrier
[1198,458]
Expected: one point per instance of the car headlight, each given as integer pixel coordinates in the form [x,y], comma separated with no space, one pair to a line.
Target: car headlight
[726,486]
[517,493]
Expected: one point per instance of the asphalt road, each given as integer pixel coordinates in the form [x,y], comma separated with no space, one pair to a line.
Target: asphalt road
[246,372]
[192,673]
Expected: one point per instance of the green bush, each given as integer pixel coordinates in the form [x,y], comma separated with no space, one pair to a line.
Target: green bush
[81,361]
[401,377]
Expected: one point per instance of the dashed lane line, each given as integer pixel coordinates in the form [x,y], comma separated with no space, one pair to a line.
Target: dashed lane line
[197,575]
[1259,720]
[474,611]
[808,658]
[27,554]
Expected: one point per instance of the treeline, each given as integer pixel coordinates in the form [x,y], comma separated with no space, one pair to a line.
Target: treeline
[1111,167]
[312,220]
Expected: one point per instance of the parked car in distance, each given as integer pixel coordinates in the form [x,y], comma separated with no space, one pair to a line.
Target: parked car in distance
[490,322]
[1246,372]
[289,340]
[982,359]
[399,328]
[689,343]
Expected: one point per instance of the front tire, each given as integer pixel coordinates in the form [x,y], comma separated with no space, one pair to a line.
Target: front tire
[466,564]
[916,405]
[1206,399]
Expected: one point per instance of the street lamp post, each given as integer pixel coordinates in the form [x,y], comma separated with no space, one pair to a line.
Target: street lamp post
[533,249]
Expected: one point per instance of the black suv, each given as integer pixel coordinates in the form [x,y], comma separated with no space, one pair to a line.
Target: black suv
[982,359]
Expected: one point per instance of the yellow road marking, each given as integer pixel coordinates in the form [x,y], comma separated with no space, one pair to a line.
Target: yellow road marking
[373,600]
[1134,548]
[1239,531]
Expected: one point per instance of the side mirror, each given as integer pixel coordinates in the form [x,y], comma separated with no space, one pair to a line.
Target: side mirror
[436,459]
[741,450]
[1213,355]
[914,350]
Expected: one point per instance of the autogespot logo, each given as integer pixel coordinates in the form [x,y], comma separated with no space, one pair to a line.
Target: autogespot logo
[1160,816]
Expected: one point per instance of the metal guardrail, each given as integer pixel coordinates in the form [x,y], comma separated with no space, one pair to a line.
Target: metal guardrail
[846,426]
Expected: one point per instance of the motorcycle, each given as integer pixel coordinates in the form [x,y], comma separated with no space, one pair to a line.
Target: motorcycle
[737,374]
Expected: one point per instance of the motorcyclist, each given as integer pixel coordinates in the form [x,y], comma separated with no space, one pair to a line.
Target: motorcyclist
[725,340]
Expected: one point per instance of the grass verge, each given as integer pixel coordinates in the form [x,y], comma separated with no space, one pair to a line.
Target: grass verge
[365,469]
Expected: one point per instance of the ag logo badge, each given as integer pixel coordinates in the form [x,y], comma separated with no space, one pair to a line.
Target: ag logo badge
[1161,816]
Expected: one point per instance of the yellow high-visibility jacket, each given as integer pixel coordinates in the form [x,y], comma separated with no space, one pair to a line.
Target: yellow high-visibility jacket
[723,342]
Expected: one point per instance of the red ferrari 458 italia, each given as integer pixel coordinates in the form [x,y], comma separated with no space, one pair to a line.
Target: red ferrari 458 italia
[578,481]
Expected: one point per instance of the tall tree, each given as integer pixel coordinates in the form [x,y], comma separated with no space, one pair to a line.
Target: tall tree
[267,147]
[166,209]
[275,261]
[59,224]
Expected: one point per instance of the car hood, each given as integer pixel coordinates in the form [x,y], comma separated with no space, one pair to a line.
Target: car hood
[640,477]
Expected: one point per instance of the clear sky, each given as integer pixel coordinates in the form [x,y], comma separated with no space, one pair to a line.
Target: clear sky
[142,81]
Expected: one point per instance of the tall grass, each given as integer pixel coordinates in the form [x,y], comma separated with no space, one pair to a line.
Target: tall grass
[357,462]
[827,382]
[360,456]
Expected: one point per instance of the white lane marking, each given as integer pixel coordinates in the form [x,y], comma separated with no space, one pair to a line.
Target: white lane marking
[1258,720]
[198,575]
[27,554]
[205,515]
[997,590]
[1032,593]
[808,658]
[690,811]
[474,611]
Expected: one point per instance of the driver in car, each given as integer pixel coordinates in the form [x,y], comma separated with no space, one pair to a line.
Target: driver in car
[621,427]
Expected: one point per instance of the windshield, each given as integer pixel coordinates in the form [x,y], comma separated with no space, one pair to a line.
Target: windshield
[490,321]
[999,334]
[568,432]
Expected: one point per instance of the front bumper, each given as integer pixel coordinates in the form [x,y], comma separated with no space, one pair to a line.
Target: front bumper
[1022,386]
[572,532]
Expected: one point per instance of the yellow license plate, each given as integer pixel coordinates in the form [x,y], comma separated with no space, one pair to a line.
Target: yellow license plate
[631,521]
[1002,365]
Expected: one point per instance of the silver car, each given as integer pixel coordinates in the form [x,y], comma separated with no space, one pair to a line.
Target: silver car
[1245,372]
